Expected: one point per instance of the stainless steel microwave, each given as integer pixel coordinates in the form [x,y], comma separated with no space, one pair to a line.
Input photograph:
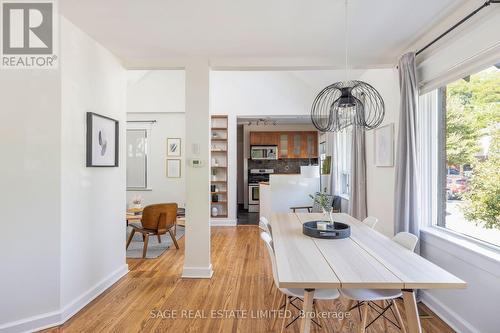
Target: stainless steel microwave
[264,152]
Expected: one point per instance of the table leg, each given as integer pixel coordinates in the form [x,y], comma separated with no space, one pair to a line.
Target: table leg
[305,324]
[411,311]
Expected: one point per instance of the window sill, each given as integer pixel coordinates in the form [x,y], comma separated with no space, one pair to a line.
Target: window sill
[447,238]
[344,196]
[133,189]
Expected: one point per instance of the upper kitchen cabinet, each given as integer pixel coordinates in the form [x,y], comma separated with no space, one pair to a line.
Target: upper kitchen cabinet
[291,144]
[283,146]
[264,138]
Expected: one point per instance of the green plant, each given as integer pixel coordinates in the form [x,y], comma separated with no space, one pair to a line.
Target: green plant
[482,201]
[323,200]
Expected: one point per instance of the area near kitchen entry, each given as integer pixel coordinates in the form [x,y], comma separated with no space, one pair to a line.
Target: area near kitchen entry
[270,147]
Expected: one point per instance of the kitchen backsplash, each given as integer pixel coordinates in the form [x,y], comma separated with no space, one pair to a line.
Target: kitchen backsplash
[284,165]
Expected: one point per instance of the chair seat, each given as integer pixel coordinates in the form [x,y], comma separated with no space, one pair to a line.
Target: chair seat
[370,294]
[321,294]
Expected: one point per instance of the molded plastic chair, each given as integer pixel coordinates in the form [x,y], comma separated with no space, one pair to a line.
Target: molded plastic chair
[406,240]
[264,225]
[362,296]
[371,221]
[320,294]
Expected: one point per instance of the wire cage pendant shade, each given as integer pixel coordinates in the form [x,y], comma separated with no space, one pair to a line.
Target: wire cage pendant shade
[347,103]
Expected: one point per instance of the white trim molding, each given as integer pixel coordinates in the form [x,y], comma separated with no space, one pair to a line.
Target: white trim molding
[55,318]
[197,272]
[458,323]
[214,222]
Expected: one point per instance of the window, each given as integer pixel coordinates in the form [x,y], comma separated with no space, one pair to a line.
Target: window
[137,157]
[465,127]
[343,161]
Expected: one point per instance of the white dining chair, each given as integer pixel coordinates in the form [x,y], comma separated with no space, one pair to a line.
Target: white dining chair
[406,240]
[292,293]
[264,225]
[371,221]
[364,297]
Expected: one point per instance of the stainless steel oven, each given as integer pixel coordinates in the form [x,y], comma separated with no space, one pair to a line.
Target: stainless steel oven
[256,176]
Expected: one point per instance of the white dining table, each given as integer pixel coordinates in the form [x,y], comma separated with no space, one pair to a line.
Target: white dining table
[366,259]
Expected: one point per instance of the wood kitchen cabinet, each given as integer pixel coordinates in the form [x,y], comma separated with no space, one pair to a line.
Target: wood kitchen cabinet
[291,144]
[264,138]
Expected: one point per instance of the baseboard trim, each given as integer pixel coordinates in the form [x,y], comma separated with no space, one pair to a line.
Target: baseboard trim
[72,308]
[446,314]
[197,272]
[55,318]
[214,222]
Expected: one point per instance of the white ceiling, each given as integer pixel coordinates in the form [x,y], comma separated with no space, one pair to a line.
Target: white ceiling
[157,29]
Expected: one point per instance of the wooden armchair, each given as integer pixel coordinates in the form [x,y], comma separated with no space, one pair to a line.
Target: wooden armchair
[156,221]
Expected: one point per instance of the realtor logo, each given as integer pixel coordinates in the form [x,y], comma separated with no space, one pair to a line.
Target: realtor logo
[28,34]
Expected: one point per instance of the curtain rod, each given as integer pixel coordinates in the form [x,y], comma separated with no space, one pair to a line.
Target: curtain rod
[486,4]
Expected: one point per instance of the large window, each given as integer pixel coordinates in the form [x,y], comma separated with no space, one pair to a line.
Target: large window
[137,157]
[467,156]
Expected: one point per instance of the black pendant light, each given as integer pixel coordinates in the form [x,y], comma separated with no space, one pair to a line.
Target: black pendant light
[347,103]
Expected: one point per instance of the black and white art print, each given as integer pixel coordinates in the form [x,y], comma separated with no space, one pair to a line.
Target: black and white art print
[173,147]
[102,141]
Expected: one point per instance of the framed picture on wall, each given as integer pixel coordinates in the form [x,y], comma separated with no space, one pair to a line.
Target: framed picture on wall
[384,146]
[102,141]
[174,147]
[174,168]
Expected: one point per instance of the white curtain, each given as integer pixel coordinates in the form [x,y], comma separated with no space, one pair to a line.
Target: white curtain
[332,146]
[357,200]
[406,195]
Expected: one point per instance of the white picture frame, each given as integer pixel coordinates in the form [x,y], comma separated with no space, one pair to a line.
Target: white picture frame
[173,168]
[384,146]
[174,147]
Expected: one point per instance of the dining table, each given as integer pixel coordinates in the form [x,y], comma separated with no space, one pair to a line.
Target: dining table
[366,259]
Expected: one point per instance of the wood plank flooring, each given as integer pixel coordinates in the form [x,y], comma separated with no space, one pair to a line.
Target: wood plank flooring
[143,299]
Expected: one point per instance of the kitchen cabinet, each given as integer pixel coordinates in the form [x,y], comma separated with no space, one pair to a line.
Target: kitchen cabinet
[291,144]
[264,138]
[283,146]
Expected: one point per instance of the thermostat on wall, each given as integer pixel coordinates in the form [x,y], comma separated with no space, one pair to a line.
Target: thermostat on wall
[196,163]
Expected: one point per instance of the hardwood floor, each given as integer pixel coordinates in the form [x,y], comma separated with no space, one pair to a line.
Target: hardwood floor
[143,299]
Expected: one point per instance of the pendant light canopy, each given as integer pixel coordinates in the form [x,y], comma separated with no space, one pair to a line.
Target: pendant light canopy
[347,103]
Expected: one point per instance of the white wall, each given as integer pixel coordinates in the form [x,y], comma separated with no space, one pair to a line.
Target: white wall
[30,128]
[92,199]
[159,95]
[380,180]
[163,189]
[65,222]
[153,91]
[474,309]
[197,261]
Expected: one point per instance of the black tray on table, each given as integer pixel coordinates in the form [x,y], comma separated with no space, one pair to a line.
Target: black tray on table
[338,231]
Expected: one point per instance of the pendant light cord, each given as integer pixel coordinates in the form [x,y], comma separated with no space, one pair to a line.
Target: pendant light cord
[346,43]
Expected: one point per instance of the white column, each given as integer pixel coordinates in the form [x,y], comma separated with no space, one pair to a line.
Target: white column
[197,262]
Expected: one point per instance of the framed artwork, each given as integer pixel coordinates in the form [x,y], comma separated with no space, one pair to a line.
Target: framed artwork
[384,146]
[102,141]
[174,147]
[174,168]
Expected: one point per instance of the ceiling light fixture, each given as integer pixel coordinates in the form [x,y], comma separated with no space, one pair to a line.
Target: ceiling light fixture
[346,103]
